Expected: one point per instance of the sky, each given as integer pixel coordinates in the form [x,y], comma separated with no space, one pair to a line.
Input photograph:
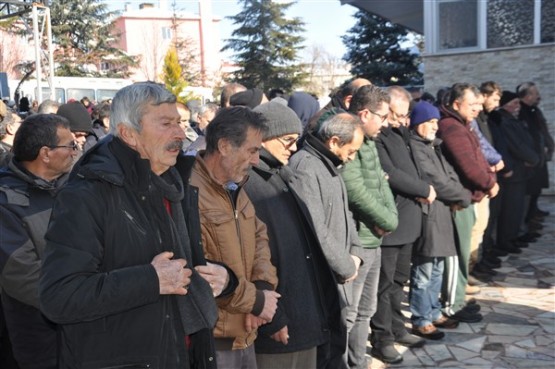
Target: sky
[325,20]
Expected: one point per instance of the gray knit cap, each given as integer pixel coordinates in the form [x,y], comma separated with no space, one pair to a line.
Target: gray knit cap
[280,120]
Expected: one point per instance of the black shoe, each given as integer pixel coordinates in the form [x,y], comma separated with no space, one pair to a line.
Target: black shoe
[520,245]
[410,340]
[527,237]
[387,354]
[428,331]
[542,213]
[497,252]
[472,308]
[481,268]
[446,323]
[512,249]
[467,317]
[490,262]
[478,282]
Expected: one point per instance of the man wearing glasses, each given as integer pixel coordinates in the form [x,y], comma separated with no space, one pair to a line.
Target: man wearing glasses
[43,152]
[409,190]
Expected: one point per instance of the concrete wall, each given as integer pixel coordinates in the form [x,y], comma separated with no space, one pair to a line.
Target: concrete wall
[508,67]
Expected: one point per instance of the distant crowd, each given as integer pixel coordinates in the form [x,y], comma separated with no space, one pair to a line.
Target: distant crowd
[262,232]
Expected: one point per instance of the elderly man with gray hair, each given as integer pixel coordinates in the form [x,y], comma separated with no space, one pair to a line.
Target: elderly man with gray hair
[120,275]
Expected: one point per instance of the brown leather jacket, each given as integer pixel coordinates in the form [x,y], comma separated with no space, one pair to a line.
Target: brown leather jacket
[235,236]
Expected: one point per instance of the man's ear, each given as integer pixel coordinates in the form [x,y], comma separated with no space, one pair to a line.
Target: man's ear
[127,135]
[334,143]
[225,147]
[43,154]
[11,129]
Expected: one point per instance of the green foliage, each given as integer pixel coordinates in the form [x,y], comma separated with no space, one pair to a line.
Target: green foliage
[375,52]
[173,78]
[266,46]
[82,33]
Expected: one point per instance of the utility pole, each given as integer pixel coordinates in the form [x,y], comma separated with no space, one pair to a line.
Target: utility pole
[41,22]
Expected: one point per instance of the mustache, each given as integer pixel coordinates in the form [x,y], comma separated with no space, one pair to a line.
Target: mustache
[175,145]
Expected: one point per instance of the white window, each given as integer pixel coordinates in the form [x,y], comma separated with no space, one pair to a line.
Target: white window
[166,33]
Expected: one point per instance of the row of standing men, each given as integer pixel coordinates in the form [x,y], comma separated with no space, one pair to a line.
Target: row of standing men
[136,249]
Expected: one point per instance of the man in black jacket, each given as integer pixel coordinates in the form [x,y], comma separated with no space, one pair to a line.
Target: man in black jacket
[301,326]
[409,190]
[118,271]
[44,152]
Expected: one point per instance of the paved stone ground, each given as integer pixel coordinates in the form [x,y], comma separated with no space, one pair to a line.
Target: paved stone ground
[518,330]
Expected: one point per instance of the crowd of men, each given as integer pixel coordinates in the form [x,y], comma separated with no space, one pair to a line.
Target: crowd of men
[262,233]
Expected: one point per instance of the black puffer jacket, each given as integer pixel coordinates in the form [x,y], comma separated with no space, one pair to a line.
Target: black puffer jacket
[97,282]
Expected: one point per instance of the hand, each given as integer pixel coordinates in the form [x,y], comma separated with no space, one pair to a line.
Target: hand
[432,196]
[270,305]
[493,191]
[281,336]
[380,232]
[499,166]
[216,275]
[253,322]
[508,174]
[357,262]
[172,274]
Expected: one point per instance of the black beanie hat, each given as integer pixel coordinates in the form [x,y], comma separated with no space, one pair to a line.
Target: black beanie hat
[280,120]
[251,98]
[507,97]
[78,116]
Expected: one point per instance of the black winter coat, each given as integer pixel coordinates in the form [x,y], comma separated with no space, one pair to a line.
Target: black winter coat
[405,182]
[97,281]
[302,269]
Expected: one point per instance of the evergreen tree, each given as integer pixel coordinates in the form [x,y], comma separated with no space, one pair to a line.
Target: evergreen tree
[82,33]
[375,52]
[173,77]
[266,46]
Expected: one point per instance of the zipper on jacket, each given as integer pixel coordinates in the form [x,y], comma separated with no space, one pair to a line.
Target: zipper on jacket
[236,219]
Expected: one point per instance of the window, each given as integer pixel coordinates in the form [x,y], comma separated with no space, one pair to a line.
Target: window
[547,21]
[166,33]
[79,93]
[458,24]
[510,23]
[105,66]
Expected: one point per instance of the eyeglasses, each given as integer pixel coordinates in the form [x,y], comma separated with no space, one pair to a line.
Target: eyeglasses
[398,116]
[287,142]
[382,117]
[72,146]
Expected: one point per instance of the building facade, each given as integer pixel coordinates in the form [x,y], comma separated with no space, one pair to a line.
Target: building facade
[149,31]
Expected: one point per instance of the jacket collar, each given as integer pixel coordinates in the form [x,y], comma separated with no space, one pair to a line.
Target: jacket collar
[317,148]
[113,161]
[447,112]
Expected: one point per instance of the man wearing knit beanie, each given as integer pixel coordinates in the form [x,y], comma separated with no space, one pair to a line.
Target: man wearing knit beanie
[80,121]
[295,337]
[437,241]
[284,128]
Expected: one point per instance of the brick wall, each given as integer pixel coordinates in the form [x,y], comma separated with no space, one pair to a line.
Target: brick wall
[508,67]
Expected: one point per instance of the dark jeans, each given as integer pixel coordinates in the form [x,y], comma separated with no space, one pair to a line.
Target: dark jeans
[388,323]
[365,289]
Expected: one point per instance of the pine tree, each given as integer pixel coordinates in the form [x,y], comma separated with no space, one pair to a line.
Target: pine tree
[266,44]
[173,77]
[375,52]
[83,36]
